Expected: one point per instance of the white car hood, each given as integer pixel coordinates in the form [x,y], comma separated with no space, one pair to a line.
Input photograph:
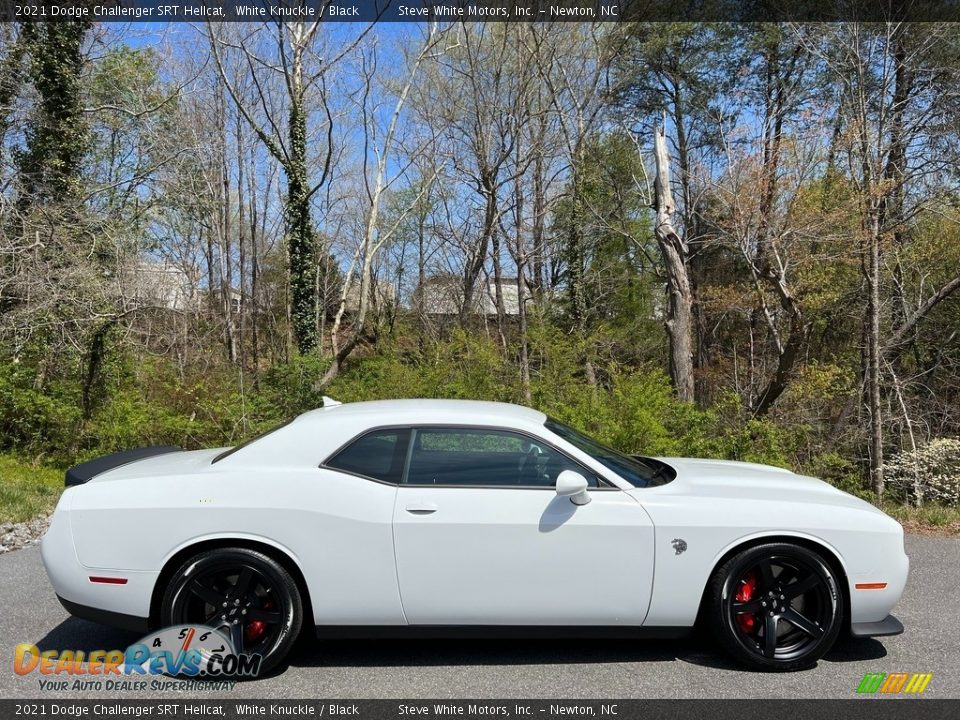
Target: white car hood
[752,481]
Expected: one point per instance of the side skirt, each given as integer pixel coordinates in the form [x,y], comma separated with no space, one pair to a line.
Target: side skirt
[500,631]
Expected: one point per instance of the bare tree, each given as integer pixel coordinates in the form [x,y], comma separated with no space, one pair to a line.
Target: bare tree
[679,322]
[374,235]
[893,98]
[577,93]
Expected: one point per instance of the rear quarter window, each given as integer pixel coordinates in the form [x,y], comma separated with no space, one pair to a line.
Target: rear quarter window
[379,455]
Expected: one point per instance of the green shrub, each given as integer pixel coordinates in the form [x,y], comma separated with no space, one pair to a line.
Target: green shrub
[839,471]
[32,419]
[150,400]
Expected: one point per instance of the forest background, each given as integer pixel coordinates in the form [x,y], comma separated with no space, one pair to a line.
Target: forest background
[707,239]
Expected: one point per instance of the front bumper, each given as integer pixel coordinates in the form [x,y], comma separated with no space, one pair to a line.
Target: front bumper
[888,626]
[888,564]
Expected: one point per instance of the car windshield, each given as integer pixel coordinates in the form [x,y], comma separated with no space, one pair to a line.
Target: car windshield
[639,472]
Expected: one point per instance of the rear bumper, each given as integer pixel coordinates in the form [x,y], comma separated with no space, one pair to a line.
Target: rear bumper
[74,583]
[106,617]
[888,626]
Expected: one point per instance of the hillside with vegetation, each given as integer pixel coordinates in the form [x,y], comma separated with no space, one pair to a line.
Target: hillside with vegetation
[735,241]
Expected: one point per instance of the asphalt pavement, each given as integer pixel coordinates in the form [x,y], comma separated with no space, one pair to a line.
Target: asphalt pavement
[692,668]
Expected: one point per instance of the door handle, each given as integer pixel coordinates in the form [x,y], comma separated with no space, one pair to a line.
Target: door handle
[421,508]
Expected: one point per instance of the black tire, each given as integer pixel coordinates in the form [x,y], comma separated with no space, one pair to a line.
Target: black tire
[781,587]
[263,611]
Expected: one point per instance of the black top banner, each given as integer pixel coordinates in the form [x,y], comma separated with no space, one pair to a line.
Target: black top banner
[368,11]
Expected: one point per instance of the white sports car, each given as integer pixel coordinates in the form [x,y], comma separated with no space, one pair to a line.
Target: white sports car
[441,516]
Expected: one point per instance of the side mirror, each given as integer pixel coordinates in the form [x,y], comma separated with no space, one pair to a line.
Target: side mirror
[574,486]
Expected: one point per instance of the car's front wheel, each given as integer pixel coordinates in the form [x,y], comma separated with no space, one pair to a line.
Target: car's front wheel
[776,607]
[245,594]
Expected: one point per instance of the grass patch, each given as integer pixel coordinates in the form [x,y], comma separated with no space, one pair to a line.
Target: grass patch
[935,519]
[27,489]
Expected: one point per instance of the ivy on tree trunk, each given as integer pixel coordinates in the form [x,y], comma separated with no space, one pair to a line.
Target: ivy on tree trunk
[300,243]
[56,139]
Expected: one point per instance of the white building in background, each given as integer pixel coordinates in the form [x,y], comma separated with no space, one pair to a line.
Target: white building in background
[383,295]
[159,284]
[487,297]
[444,295]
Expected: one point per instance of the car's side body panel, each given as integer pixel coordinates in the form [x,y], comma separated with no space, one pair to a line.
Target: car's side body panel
[713,507]
[337,528]
[515,556]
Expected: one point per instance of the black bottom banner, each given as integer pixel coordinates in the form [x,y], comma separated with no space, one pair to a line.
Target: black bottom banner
[866,708]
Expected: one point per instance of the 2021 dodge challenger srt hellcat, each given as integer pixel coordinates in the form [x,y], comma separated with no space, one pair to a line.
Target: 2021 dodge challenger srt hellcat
[431,516]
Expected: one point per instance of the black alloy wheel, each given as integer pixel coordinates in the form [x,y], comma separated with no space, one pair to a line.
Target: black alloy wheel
[776,607]
[244,594]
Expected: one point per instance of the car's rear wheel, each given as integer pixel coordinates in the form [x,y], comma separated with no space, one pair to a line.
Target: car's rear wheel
[245,594]
[776,607]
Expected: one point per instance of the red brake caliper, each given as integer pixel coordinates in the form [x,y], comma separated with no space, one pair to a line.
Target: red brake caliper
[747,621]
[256,628]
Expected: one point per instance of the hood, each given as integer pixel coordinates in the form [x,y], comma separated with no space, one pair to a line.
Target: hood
[730,479]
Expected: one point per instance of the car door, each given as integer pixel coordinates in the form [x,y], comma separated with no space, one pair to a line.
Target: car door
[481,537]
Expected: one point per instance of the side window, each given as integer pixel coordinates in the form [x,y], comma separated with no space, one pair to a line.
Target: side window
[379,455]
[467,456]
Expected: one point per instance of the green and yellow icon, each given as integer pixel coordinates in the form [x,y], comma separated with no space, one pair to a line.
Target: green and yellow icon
[894,683]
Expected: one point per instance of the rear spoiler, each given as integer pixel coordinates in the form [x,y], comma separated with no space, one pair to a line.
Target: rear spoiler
[79,474]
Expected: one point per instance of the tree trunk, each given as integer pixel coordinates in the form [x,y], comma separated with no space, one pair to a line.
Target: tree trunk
[479,257]
[241,249]
[520,257]
[96,355]
[874,406]
[524,340]
[210,270]
[892,205]
[539,210]
[421,276]
[226,250]
[679,323]
[255,233]
[300,242]
[576,269]
[696,264]
[788,352]
[498,290]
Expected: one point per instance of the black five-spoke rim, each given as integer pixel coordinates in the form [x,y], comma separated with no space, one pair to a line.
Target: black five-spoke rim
[780,607]
[241,602]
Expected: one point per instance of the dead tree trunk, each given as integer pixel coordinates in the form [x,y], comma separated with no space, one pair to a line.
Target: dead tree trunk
[679,322]
[873,371]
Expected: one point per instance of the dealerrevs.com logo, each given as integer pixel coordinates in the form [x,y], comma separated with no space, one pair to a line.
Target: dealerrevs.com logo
[191,651]
[894,683]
